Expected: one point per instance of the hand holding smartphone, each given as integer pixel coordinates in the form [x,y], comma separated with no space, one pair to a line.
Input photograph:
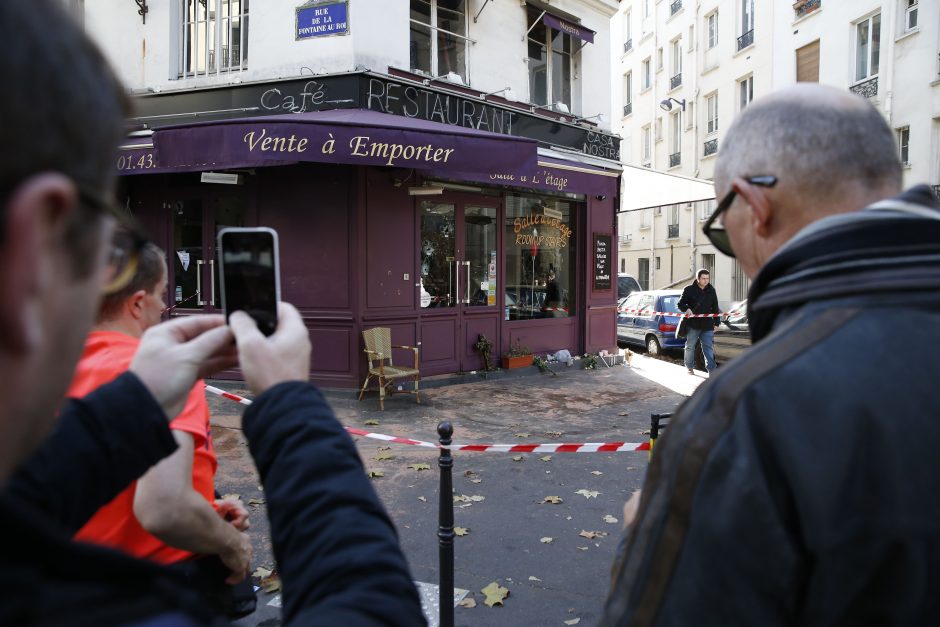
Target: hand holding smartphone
[250,274]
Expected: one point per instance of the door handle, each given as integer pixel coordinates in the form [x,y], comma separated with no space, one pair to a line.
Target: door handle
[452,276]
[199,264]
[467,299]
[212,282]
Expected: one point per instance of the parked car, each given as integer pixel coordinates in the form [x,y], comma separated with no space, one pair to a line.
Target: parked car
[647,321]
[734,334]
[626,285]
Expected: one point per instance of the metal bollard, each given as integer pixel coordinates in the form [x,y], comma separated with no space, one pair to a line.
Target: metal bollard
[445,529]
[657,422]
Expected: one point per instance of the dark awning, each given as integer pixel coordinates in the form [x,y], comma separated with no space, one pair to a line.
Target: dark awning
[350,136]
[565,26]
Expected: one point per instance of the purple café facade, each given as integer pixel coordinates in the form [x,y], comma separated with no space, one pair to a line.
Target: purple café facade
[398,203]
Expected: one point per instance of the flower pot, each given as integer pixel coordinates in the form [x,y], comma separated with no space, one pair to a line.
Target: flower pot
[517,362]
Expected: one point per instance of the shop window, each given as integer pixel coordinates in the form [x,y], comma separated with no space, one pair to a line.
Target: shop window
[213,37]
[541,273]
[549,62]
[439,40]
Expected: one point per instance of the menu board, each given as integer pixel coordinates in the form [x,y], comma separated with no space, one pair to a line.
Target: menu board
[602,261]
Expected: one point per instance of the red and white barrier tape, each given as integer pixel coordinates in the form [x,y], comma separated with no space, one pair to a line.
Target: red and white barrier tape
[560,447]
[674,314]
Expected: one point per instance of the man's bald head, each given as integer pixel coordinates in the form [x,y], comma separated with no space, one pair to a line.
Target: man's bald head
[826,146]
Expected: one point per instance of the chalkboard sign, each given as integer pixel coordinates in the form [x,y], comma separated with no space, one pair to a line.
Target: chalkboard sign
[602,252]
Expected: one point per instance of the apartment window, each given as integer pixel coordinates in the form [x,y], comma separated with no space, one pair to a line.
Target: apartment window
[549,62]
[807,63]
[643,273]
[659,129]
[628,26]
[646,8]
[647,143]
[746,38]
[628,93]
[708,263]
[904,138]
[711,22]
[647,77]
[623,266]
[213,37]
[659,59]
[677,58]
[706,208]
[867,47]
[746,92]
[673,222]
[658,264]
[910,15]
[675,124]
[711,113]
[439,42]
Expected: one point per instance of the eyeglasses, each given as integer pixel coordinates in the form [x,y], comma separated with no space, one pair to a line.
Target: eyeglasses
[127,242]
[716,233]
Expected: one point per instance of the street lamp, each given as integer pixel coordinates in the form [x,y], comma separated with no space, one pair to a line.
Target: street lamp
[666,105]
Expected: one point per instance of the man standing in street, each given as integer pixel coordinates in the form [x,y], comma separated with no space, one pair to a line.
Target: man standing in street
[700,298]
[801,484]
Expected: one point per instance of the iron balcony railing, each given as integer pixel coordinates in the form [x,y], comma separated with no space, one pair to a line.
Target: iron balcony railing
[936,190]
[673,231]
[627,109]
[674,7]
[807,7]
[675,81]
[675,159]
[628,45]
[868,89]
[746,39]
[711,147]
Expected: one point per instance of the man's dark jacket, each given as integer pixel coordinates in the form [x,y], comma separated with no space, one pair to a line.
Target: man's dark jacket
[337,551]
[700,301]
[801,484]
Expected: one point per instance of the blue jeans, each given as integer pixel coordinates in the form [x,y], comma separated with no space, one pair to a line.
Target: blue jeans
[690,340]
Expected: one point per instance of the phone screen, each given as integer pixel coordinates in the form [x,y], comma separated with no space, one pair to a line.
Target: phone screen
[249,260]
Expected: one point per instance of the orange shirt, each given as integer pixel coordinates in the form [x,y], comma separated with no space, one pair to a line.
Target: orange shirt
[107,355]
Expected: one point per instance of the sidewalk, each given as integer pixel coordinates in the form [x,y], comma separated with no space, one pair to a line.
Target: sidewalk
[549,581]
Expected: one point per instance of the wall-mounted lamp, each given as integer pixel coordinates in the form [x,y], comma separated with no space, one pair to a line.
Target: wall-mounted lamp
[666,105]
[505,91]
[426,190]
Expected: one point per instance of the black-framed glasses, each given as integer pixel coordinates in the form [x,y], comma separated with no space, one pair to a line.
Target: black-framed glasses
[127,242]
[716,233]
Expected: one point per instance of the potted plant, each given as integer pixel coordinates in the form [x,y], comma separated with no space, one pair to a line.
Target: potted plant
[518,356]
[486,348]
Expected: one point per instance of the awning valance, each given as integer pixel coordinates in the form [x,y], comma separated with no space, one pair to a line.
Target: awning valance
[350,136]
[563,24]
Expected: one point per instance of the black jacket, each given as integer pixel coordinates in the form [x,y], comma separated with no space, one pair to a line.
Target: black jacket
[701,302]
[801,484]
[337,550]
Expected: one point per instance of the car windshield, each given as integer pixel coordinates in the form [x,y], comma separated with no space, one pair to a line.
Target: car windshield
[671,304]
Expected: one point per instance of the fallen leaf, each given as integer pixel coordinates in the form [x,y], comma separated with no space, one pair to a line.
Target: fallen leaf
[573,621]
[381,457]
[554,500]
[531,578]
[624,413]
[596,472]
[495,594]
[476,481]
[375,473]
[631,467]
[588,494]
[590,535]
[271,583]
[371,423]
[546,458]
[610,519]
[546,540]
[421,498]
[522,435]
[476,499]
[262,572]
[256,501]
[583,548]
[518,458]
[420,466]
[468,473]
[463,498]
[554,434]
[231,496]
[461,531]
[467,603]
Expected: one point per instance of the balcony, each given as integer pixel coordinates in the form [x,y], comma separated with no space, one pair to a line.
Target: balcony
[805,7]
[867,89]
[627,46]
[711,147]
[673,231]
[626,239]
[746,39]
[627,109]
[675,159]
[675,7]
[675,81]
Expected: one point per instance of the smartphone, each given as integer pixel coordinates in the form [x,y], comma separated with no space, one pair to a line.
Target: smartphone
[250,274]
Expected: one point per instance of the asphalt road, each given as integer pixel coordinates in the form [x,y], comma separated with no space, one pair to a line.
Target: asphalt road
[549,582]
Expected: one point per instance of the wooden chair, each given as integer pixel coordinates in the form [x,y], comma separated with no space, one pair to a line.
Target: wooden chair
[379,353]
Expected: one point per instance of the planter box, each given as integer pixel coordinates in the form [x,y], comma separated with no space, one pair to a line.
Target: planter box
[517,362]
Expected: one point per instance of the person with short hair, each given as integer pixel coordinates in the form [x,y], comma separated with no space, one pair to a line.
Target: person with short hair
[800,484]
[700,298]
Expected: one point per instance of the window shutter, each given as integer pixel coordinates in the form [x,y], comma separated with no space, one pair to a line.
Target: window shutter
[807,63]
